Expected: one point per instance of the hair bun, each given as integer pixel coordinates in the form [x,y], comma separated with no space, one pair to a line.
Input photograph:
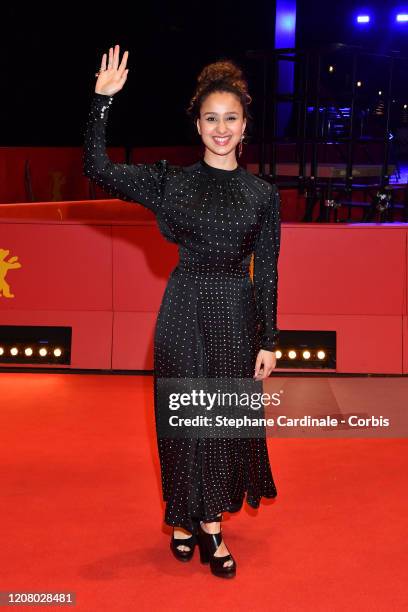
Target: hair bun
[223,75]
[224,70]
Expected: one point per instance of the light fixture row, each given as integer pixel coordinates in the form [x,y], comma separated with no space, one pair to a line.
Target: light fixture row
[29,351]
[292,354]
[366,18]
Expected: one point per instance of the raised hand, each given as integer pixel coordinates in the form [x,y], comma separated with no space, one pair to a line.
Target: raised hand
[111,78]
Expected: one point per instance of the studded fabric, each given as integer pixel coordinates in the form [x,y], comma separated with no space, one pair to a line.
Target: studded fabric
[213,318]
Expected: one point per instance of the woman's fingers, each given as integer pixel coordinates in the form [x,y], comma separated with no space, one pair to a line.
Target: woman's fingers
[110,62]
[116,57]
[123,62]
[123,78]
[103,63]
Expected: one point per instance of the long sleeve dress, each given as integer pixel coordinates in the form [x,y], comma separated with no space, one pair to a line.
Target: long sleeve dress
[213,317]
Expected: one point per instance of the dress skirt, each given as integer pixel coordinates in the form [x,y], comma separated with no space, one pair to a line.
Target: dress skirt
[206,327]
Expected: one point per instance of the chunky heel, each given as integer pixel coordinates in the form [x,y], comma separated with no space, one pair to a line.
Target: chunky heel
[204,554]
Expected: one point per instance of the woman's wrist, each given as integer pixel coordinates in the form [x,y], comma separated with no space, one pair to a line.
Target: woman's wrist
[99,93]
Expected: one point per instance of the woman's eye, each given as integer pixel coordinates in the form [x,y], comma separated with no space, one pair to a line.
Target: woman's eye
[211,118]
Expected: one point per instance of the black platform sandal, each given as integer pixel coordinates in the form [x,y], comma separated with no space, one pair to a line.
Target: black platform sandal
[208,544]
[184,555]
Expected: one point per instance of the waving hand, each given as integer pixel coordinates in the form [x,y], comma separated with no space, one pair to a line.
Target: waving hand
[112,77]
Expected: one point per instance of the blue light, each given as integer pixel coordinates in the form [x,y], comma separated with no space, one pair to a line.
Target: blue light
[286,21]
[363,18]
[402,17]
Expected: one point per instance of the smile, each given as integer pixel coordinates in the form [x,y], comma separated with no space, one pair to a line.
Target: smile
[221,141]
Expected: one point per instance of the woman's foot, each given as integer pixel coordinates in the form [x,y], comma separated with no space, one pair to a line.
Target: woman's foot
[182,544]
[182,534]
[222,550]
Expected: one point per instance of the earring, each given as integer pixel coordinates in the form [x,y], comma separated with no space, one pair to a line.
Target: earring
[240,146]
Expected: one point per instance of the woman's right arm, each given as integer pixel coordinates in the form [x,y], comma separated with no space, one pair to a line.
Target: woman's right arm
[142,183]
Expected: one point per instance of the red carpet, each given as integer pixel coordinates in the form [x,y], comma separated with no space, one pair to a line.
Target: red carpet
[82,511]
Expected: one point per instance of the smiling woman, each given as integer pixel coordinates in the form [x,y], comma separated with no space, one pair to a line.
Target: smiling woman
[214,321]
[220,109]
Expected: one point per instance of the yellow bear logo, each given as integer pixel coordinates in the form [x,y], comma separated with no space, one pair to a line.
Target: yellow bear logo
[5,266]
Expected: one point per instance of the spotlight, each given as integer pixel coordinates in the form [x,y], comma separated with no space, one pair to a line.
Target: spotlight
[359,83]
[380,93]
[292,354]
[57,352]
[43,352]
[321,354]
[306,354]
[278,354]
[28,351]
[1,350]
[14,351]
[331,68]
[402,17]
[405,105]
[363,18]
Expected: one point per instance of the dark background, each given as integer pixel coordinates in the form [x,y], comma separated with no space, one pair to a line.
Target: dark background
[50,56]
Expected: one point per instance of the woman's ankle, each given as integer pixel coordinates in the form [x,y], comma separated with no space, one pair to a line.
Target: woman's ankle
[212,527]
[182,532]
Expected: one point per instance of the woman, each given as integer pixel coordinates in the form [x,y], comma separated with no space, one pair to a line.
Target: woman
[214,321]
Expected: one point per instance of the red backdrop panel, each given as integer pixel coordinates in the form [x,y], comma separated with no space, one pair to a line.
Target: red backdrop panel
[347,269]
[142,261]
[63,267]
[133,337]
[405,344]
[109,257]
[56,173]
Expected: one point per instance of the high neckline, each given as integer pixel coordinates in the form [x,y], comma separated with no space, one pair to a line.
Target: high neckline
[219,172]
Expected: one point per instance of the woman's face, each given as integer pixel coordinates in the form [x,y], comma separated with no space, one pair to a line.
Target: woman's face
[221,123]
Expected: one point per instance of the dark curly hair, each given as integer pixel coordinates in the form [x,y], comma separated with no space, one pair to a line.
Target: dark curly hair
[222,75]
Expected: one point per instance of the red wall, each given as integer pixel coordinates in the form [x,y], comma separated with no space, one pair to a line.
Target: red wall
[102,266]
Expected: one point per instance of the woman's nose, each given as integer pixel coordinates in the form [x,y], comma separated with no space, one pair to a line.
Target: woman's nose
[222,128]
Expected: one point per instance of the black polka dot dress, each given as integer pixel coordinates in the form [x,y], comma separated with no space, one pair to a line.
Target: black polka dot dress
[213,318]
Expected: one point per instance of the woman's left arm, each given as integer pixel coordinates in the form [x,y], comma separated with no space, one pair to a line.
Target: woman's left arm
[265,273]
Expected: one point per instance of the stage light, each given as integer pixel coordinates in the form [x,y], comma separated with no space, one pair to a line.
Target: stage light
[57,352]
[405,105]
[306,354]
[380,93]
[292,354]
[363,18]
[28,351]
[278,354]
[331,68]
[359,83]
[1,350]
[402,17]
[286,21]
[14,351]
[321,354]
[43,352]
